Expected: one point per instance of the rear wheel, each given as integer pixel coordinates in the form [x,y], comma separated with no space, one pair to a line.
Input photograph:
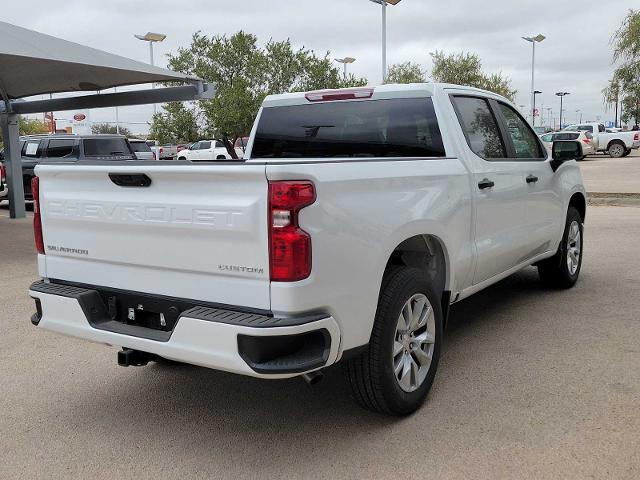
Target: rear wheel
[562,270]
[395,373]
[616,150]
[181,158]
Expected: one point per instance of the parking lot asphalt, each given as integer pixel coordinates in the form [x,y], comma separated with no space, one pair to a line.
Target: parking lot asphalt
[532,383]
[603,174]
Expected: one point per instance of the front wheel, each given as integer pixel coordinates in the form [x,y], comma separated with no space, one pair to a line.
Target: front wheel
[395,373]
[562,270]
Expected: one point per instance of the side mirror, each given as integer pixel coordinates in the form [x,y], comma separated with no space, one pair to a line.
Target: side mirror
[563,151]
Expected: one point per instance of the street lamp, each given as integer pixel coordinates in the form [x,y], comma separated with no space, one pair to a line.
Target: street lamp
[384,33]
[533,118]
[344,62]
[537,39]
[577,112]
[151,38]
[561,94]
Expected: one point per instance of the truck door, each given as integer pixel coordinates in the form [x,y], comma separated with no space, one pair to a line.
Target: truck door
[543,214]
[504,225]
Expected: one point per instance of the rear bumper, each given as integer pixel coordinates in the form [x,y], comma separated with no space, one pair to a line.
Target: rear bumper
[223,339]
[636,144]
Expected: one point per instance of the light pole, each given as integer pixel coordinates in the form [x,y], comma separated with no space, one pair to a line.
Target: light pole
[577,112]
[537,39]
[151,38]
[384,33]
[549,116]
[561,94]
[533,111]
[344,62]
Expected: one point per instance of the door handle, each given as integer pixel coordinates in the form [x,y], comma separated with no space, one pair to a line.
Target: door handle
[130,179]
[532,179]
[485,183]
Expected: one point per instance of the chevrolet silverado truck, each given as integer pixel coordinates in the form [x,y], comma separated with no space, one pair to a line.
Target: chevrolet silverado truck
[357,217]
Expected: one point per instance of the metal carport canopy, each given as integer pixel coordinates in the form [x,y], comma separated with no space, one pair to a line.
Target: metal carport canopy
[32,63]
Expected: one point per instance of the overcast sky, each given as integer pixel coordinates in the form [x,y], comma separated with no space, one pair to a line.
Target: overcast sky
[575,57]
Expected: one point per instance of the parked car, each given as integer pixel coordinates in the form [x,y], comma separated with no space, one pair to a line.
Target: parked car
[615,144]
[141,149]
[69,148]
[585,139]
[168,152]
[205,150]
[357,217]
[4,189]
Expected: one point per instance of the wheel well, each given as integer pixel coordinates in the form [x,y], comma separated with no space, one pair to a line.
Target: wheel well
[578,202]
[221,157]
[426,253]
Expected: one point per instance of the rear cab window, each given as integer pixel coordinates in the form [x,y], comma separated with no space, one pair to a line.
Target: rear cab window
[403,127]
[140,147]
[110,147]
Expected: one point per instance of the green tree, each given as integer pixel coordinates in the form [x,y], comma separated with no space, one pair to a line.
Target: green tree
[28,126]
[466,69]
[177,124]
[32,126]
[624,86]
[244,73]
[107,128]
[407,72]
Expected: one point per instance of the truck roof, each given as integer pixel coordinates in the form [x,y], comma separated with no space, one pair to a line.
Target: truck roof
[379,92]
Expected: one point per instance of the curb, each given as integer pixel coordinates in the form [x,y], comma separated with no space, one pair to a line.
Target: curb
[599,199]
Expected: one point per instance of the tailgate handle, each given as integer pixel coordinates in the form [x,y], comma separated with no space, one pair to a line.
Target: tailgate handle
[130,179]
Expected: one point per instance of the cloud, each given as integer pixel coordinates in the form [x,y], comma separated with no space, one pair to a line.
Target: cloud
[575,57]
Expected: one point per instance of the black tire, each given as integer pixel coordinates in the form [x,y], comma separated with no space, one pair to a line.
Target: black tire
[616,149]
[554,272]
[627,152]
[182,158]
[221,157]
[370,375]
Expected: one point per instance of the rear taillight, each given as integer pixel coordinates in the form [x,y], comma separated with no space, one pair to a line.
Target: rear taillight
[636,136]
[3,173]
[289,245]
[37,221]
[586,140]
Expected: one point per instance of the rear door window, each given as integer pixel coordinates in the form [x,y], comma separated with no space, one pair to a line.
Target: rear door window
[204,145]
[61,148]
[31,149]
[404,127]
[107,147]
[480,127]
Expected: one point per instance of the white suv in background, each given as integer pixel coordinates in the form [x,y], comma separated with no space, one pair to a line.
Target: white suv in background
[205,150]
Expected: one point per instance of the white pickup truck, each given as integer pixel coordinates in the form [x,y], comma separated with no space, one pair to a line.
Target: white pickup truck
[357,217]
[615,144]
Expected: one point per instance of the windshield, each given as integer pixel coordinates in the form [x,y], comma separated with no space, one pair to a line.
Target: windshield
[106,147]
[373,128]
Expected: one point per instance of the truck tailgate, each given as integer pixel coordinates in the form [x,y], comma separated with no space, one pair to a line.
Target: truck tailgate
[196,232]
